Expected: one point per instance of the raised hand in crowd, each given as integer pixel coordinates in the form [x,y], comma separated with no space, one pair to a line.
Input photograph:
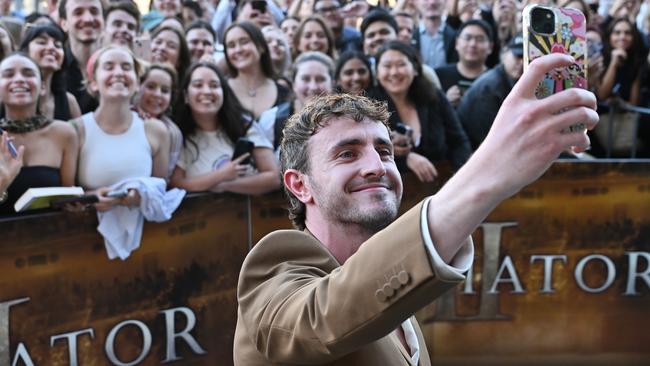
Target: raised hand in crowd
[9,165]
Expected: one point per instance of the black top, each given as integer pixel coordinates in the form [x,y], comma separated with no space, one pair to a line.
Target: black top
[442,137]
[61,107]
[450,76]
[481,102]
[76,87]
[29,177]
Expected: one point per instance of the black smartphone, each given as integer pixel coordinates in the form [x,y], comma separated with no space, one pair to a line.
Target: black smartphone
[85,200]
[403,129]
[259,5]
[242,147]
[463,85]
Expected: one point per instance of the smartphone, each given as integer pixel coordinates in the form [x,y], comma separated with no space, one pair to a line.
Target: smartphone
[142,48]
[259,5]
[85,200]
[463,85]
[10,146]
[118,193]
[242,147]
[556,30]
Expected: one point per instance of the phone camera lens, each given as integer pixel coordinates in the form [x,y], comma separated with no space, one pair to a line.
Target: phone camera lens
[542,20]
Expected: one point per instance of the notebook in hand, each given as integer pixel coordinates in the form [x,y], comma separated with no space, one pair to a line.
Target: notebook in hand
[35,198]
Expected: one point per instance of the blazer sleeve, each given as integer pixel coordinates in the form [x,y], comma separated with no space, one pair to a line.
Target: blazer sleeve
[298,304]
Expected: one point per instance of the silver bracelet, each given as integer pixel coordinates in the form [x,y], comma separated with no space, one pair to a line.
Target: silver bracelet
[3,196]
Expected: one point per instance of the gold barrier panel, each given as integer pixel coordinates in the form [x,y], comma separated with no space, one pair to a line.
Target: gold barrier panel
[561,276]
[172,299]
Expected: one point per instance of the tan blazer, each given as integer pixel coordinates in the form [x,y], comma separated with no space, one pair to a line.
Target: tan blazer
[299,306]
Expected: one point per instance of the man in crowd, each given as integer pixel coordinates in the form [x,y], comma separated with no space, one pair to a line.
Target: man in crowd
[473,44]
[436,38]
[377,28]
[405,27]
[122,23]
[346,38]
[482,101]
[342,290]
[83,20]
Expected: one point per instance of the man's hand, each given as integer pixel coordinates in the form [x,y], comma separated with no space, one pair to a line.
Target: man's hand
[454,94]
[526,137]
[528,134]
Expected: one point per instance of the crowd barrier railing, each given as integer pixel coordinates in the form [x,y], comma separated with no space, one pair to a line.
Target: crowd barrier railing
[561,276]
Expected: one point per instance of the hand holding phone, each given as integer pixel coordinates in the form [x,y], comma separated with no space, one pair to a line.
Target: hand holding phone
[118,193]
[556,30]
[242,147]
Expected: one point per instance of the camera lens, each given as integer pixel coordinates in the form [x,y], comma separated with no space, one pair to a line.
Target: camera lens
[542,20]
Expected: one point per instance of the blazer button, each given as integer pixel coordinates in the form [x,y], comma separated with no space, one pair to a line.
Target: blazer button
[403,277]
[380,295]
[388,290]
[394,283]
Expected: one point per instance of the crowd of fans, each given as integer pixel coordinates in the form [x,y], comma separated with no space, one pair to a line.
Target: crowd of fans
[93,93]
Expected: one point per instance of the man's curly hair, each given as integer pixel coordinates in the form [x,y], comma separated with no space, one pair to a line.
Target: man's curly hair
[294,148]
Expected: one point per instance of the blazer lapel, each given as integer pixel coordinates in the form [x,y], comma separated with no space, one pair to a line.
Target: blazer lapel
[405,353]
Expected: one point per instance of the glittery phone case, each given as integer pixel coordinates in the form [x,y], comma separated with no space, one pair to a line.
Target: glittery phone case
[569,38]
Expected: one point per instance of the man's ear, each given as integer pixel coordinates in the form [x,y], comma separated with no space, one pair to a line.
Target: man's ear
[296,182]
[64,25]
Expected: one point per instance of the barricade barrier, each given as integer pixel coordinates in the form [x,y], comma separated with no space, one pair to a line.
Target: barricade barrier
[562,276]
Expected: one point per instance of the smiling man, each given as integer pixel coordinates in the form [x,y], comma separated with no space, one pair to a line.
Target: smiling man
[122,23]
[83,21]
[343,288]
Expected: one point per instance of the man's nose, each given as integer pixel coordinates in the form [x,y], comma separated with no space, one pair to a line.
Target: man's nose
[372,164]
[87,17]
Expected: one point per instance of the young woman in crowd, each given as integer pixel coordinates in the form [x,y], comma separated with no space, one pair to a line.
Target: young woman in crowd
[157,91]
[279,49]
[249,62]
[44,44]
[435,132]
[623,57]
[168,45]
[212,121]
[312,76]
[115,143]
[313,34]
[353,73]
[50,147]
[289,26]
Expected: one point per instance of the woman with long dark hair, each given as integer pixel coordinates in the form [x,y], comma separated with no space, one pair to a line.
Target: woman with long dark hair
[433,132]
[623,57]
[50,147]
[44,44]
[250,65]
[353,73]
[168,45]
[212,121]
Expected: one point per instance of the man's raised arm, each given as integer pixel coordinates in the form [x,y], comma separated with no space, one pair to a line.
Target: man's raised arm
[526,137]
